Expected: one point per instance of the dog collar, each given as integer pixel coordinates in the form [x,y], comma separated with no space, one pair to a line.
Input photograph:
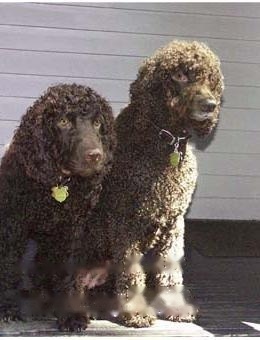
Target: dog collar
[60,192]
[179,146]
[178,143]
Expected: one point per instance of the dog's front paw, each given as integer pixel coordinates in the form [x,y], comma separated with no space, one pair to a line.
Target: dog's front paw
[137,319]
[74,322]
[171,304]
[183,313]
[10,313]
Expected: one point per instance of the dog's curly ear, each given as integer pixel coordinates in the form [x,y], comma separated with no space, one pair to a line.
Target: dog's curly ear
[108,137]
[147,90]
[35,146]
[150,83]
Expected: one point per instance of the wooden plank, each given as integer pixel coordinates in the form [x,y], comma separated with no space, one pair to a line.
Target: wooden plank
[222,238]
[225,141]
[226,291]
[225,9]
[117,91]
[211,186]
[74,65]
[115,67]
[12,108]
[225,209]
[114,90]
[239,74]
[34,86]
[239,119]
[128,21]
[128,44]
[228,164]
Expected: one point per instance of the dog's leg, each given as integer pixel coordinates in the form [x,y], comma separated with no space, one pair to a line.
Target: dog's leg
[13,243]
[166,279]
[130,285]
[72,304]
[27,267]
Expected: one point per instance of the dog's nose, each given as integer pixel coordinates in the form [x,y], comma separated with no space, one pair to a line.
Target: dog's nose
[208,105]
[93,156]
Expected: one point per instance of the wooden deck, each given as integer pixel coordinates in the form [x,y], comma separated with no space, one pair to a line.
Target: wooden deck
[227,290]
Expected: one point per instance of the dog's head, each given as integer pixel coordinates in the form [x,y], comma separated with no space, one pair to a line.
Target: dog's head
[68,131]
[184,84]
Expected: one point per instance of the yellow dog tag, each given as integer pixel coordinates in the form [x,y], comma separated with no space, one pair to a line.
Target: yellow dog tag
[175,159]
[60,193]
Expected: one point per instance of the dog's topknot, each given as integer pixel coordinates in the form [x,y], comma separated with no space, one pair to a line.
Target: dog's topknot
[194,55]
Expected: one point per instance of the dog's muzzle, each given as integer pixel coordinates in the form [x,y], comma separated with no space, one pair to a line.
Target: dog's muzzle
[201,116]
[205,110]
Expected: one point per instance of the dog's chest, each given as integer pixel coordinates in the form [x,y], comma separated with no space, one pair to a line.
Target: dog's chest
[164,192]
[166,196]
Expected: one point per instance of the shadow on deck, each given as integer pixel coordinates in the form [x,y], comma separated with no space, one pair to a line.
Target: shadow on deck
[226,289]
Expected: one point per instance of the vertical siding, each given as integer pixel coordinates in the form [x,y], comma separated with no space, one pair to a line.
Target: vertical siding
[102,45]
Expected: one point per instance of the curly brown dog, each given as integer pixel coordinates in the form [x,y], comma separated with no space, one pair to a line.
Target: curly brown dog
[50,180]
[177,93]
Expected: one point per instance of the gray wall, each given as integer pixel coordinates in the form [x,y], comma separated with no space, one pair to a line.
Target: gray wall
[102,44]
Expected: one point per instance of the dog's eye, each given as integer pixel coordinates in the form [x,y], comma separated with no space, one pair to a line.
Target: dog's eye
[180,77]
[97,124]
[64,123]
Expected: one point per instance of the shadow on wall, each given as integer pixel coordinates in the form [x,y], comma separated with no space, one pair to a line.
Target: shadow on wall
[202,143]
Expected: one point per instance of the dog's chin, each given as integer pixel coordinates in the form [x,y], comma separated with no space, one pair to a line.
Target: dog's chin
[66,172]
[84,171]
[201,133]
[203,124]
[87,172]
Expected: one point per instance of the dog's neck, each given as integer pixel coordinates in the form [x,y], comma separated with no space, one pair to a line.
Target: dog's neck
[136,131]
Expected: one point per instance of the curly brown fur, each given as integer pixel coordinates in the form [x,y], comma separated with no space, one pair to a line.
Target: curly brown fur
[145,198]
[65,138]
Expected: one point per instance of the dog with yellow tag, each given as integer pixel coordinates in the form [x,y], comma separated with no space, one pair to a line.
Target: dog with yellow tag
[139,221]
[50,180]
